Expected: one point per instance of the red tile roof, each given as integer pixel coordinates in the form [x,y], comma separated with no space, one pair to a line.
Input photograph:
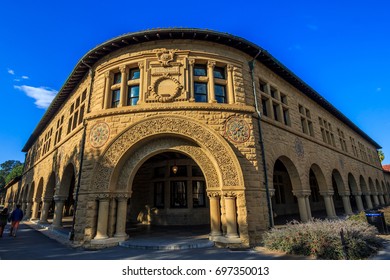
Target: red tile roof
[386,167]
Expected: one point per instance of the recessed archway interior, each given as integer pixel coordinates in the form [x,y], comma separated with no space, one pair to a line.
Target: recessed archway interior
[169,191]
[67,190]
[284,203]
[337,185]
[353,191]
[317,204]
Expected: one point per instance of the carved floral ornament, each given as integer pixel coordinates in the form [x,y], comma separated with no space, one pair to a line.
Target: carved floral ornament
[237,130]
[100,133]
[165,57]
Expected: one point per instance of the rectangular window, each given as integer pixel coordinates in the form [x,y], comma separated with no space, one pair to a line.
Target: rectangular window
[133,95]
[200,92]
[263,86]
[159,194]
[273,93]
[178,194]
[81,116]
[264,106]
[219,73]
[275,107]
[117,78]
[286,116]
[200,70]
[134,74]
[220,93]
[198,194]
[115,99]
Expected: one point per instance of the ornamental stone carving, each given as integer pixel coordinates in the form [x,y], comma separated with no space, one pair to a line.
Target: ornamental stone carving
[237,130]
[165,57]
[299,150]
[166,88]
[100,133]
[212,143]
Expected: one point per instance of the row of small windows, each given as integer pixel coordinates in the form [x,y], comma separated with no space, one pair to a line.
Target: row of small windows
[275,106]
[204,80]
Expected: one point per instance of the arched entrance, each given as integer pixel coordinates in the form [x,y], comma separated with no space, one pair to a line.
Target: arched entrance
[64,198]
[319,193]
[284,202]
[118,170]
[356,194]
[37,201]
[367,203]
[47,197]
[169,189]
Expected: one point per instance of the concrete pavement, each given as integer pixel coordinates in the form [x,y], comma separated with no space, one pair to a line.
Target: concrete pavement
[35,243]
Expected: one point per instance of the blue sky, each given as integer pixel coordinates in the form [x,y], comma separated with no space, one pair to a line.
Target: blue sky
[339,49]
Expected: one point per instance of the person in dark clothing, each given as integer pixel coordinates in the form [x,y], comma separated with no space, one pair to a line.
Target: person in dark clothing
[16,217]
[3,220]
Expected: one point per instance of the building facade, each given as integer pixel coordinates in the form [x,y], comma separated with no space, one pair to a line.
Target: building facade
[192,127]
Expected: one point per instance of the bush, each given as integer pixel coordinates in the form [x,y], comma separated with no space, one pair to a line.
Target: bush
[322,239]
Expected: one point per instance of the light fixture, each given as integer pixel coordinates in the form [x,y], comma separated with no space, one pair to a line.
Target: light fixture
[175,168]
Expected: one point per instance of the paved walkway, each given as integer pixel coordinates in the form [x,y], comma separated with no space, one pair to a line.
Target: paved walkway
[35,243]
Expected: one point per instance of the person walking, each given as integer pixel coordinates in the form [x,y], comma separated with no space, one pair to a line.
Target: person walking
[16,217]
[3,220]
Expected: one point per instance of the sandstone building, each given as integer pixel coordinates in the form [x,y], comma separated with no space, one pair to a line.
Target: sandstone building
[192,127]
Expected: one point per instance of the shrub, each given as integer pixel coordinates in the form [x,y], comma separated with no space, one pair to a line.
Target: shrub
[322,239]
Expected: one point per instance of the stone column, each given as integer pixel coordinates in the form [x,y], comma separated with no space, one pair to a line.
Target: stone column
[231,215]
[303,208]
[387,200]
[376,201]
[215,214]
[330,211]
[123,97]
[333,207]
[191,63]
[27,214]
[35,208]
[359,202]
[102,223]
[107,90]
[45,210]
[210,74]
[58,211]
[308,209]
[381,199]
[121,214]
[368,201]
[347,204]
[141,98]
[112,218]
[230,84]
[24,206]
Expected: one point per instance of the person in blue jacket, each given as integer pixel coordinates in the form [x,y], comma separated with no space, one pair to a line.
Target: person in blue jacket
[16,217]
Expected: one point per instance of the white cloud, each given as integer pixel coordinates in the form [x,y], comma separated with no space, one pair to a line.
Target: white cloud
[25,77]
[10,71]
[42,95]
[16,80]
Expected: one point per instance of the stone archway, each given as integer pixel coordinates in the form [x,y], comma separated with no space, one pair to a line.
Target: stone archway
[373,191]
[367,203]
[119,163]
[29,200]
[356,193]
[47,198]
[341,198]
[37,200]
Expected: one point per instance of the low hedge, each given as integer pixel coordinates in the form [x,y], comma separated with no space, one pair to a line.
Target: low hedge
[329,239]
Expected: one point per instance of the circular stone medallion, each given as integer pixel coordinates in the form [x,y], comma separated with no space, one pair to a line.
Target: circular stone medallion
[100,133]
[237,130]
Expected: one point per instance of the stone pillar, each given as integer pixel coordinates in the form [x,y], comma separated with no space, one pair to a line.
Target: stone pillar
[231,215]
[121,214]
[381,199]
[112,218]
[123,97]
[27,214]
[376,201]
[58,211]
[35,208]
[102,222]
[45,210]
[141,98]
[230,84]
[333,207]
[24,206]
[303,208]
[210,74]
[191,63]
[359,202]
[107,90]
[308,209]
[330,211]
[368,201]
[347,204]
[215,214]
[387,200]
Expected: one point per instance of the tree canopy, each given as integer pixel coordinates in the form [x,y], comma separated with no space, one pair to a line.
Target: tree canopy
[381,155]
[9,170]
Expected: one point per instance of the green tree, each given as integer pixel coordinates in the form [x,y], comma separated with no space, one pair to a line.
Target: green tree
[5,169]
[15,172]
[381,155]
